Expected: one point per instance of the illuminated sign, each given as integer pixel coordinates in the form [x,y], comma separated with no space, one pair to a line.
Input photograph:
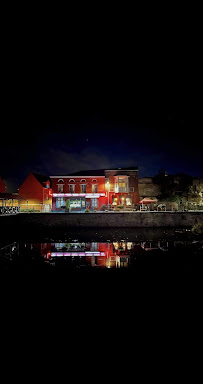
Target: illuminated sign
[88,253]
[86,195]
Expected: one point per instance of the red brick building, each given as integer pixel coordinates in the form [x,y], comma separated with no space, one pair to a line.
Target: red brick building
[2,185]
[94,189]
[37,192]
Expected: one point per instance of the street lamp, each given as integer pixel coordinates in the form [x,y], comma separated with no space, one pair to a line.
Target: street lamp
[107,186]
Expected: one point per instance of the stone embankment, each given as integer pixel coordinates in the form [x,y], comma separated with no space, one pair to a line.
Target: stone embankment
[102,220]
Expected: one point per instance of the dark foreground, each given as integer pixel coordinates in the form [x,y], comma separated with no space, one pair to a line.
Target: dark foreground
[111,281]
[155,256]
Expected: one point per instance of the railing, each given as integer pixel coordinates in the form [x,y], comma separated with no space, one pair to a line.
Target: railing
[9,210]
[8,250]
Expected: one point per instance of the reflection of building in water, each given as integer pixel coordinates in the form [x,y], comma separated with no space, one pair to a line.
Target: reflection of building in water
[107,255]
[152,245]
[110,255]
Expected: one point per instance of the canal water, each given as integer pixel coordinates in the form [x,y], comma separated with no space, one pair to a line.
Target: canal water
[155,251]
[147,273]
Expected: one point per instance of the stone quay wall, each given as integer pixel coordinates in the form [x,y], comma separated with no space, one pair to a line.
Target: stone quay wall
[103,220]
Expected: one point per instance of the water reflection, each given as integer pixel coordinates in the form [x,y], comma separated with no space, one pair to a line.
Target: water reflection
[74,254]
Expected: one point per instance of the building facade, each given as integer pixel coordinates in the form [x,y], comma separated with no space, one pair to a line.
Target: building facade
[96,189]
[148,188]
[37,192]
[2,185]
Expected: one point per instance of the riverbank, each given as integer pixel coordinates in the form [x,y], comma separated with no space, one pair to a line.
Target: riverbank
[105,219]
[92,225]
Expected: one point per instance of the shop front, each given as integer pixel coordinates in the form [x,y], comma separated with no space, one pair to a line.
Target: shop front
[124,200]
[77,204]
[77,201]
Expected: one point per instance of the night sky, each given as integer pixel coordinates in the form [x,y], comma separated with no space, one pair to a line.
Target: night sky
[98,103]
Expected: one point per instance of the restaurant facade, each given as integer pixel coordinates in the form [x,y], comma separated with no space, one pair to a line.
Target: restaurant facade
[96,189]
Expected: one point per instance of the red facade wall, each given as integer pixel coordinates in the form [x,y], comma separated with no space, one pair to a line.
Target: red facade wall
[132,183]
[2,185]
[110,175]
[33,191]
[77,181]
[66,181]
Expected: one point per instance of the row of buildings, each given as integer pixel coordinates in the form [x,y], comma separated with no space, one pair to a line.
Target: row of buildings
[96,190]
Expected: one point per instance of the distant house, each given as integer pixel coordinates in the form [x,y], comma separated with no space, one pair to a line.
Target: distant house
[37,192]
[2,185]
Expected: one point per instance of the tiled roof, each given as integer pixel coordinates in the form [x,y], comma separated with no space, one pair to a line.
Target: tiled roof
[95,172]
[100,172]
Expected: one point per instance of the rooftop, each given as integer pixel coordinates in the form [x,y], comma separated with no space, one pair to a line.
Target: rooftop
[100,172]
[41,178]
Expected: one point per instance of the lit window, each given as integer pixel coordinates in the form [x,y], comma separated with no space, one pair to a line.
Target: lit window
[75,203]
[115,246]
[60,187]
[115,201]
[128,201]
[94,203]
[121,184]
[60,202]
[72,188]
[94,188]
[129,245]
[83,188]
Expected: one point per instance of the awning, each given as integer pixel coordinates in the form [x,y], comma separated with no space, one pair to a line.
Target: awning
[148,201]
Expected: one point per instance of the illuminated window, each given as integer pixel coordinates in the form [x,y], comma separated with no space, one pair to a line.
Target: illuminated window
[122,200]
[129,245]
[115,201]
[75,203]
[60,187]
[94,247]
[94,203]
[121,184]
[94,188]
[115,246]
[60,202]
[83,188]
[128,201]
[72,188]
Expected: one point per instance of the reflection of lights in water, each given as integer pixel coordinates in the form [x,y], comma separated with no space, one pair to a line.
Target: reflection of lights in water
[55,254]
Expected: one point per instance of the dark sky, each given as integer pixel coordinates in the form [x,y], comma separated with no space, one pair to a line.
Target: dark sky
[98,103]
